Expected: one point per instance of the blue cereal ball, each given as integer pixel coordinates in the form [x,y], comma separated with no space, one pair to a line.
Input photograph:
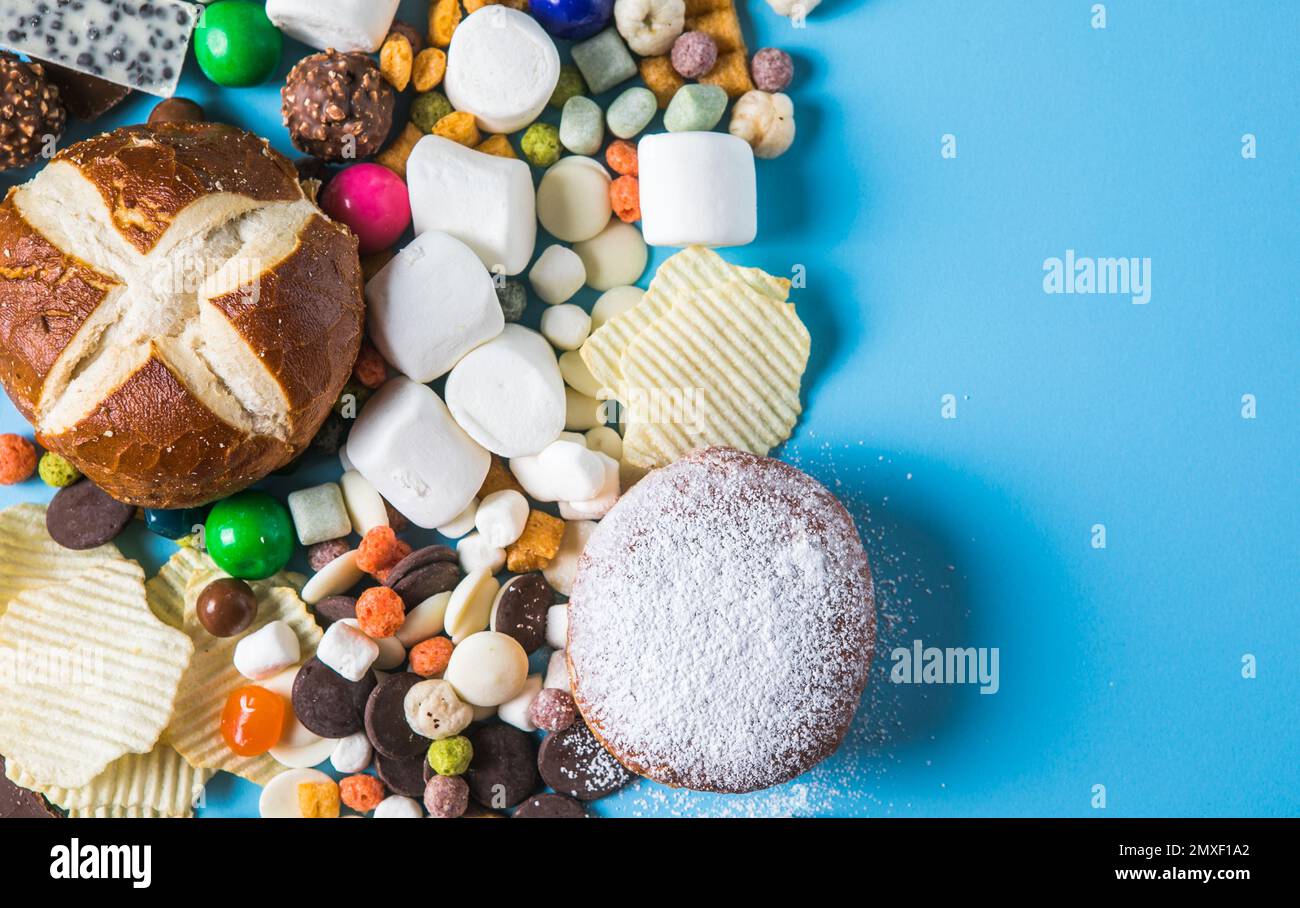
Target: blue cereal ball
[604,61]
[582,126]
[695,108]
[175,523]
[631,112]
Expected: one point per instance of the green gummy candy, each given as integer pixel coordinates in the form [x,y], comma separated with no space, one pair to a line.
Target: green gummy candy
[582,126]
[631,112]
[695,108]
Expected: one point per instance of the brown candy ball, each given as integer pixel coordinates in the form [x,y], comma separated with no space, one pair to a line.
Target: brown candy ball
[176,110]
[553,709]
[30,111]
[226,607]
[337,106]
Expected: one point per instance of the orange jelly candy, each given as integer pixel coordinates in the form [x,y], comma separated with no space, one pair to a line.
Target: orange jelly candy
[252,720]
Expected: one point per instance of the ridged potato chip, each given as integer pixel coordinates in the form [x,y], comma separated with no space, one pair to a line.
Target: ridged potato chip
[157,784]
[29,558]
[87,673]
[195,729]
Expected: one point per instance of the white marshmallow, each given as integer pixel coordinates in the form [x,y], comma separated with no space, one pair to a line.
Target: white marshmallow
[501,517]
[501,67]
[432,304]
[697,188]
[573,199]
[598,505]
[279,798]
[398,807]
[353,753]
[614,301]
[557,274]
[557,627]
[345,25]
[557,671]
[334,579]
[424,621]
[582,412]
[507,394]
[614,257]
[462,523]
[485,201]
[563,471]
[409,447]
[347,650]
[515,710]
[475,553]
[267,651]
[364,504]
[560,572]
[566,326]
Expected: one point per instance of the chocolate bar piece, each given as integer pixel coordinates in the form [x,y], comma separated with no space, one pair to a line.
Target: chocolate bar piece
[85,97]
[133,43]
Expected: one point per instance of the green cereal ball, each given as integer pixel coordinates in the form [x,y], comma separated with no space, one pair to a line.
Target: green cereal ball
[428,108]
[57,471]
[570,84]
[541,144]
[451,756]
[513,299]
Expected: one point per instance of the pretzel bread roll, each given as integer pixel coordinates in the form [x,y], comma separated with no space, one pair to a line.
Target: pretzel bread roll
[176,316]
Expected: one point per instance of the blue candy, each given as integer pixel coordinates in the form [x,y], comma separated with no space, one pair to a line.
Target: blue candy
[173,524]
[572,20]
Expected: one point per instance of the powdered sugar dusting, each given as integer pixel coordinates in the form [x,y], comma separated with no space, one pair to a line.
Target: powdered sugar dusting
[721,623]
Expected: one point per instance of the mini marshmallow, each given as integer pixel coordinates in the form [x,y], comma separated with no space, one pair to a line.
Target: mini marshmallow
[697,188]
[566,326]
[347,650]
[354,753]
[557,274]
[432,304]
[424,621]
[598,505]
[582,412]
[398,807]
[415,454]
[267,651]
[364,505]
[560,572]
[615,256]
[501,517]
[334,579]
[557,627]
[485,201]
[573,199]
[462,523]
[344,25]
[515,710]
[501,67]
[474,552]
[563,471]
[557,671]
[508,394]
[391,651]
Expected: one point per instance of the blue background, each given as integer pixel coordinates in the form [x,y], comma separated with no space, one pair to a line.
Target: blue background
[1119,666]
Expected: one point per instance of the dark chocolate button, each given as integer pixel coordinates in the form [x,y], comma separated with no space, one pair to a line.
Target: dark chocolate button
[386,724]
[520,610]
[550,807]
[402,775]
[19,803]
[226,606]
[574,763]
[328,704]
[335,608]
[82,516]
[504,769]
[424,573]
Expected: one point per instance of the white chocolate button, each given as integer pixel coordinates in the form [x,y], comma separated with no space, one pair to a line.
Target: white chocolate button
[304,756]
[566,326]
[501,517]
[279,800]
[424,621]
[559,573]
[487,668]
[398,807]
[515,710]
[557,626]
[293,734]
[581,412]
[470,605]
[615,256]
[577,375]
[606,441]
[613,302]
[557,274]
[364,504]
[334,579]
[573,199]
[433,710]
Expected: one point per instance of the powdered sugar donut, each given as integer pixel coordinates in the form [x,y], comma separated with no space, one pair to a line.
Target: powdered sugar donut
[722,623]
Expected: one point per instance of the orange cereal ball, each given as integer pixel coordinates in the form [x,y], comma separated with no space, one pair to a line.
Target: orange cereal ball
[361,792]
[621,157]
[625,198]
[17,459]
[380,612]
[380,550]
[370,368]
[429,658]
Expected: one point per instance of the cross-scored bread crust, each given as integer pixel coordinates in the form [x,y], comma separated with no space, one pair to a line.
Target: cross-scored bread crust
[153,436]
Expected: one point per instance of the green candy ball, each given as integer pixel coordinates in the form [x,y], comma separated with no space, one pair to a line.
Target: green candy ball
[428,108]
[236,44]
[541,144]
[249,535]
[451,756]
[57,471]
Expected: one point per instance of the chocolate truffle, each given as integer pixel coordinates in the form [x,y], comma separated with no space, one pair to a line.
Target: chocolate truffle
[337,106]
[30,110]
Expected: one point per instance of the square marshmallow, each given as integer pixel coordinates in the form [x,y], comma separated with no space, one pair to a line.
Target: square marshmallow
[432,304]
[267,651]
[486,202]
[344,25]
[347,650]
[697,188]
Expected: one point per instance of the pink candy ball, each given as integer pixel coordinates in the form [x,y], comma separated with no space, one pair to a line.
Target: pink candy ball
[372,201]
